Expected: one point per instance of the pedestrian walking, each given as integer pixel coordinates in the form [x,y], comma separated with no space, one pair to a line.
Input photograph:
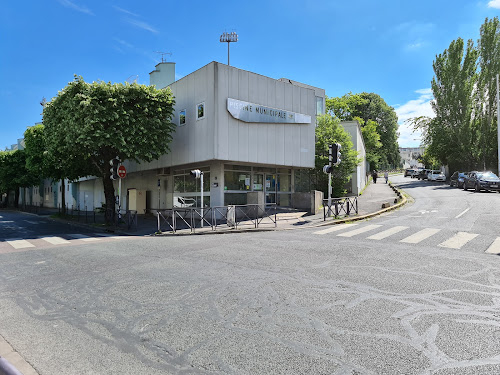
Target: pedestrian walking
[386,176]
[374,176]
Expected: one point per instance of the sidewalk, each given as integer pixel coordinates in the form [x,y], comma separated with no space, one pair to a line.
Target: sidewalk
[369,203]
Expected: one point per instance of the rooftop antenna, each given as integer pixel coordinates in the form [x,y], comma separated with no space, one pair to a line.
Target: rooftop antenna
[163,59]
[228,38]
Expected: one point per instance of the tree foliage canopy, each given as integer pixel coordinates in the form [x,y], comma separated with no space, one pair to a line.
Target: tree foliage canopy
[88,124]
[463,133]
[329,131]
[379,125]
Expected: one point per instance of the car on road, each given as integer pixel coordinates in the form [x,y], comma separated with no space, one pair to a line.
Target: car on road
[478,181]
[436,176]
[457,179]
[422,174]
[408,172]
[415,173]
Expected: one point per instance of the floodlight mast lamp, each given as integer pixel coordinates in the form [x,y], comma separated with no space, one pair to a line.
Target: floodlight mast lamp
[228,38]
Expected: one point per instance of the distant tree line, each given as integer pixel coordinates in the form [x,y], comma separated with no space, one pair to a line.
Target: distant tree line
[463,133]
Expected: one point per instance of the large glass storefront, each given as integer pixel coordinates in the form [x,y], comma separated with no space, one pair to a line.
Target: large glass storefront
[276,183]
[187,188]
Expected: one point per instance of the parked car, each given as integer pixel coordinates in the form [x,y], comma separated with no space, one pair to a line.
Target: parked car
[415,173]
[436,176]
[408,172]
[482,181]
[457,179]
[422,175]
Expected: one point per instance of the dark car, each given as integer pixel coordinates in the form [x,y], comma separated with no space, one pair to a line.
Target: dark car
[422,175]
[457,179]
[482,181]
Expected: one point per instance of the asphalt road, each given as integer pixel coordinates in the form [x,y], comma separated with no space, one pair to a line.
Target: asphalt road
[410,292]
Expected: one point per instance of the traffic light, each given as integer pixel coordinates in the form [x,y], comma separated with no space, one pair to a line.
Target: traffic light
[114,168]
[336,153]
[196,173]
[327,169]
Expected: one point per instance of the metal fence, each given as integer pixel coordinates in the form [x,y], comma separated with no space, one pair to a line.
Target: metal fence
[340,206]
[233,216]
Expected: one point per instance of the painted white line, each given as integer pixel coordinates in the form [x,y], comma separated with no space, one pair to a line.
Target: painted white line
[83,237]
[387,233]
[458,240]
[19,244]
[334,228]
[32,222]
[55,240]
[420,235]
[359,230]
[494,247]
[461,213]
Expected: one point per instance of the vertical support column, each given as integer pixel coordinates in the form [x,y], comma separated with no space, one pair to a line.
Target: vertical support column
[330,160]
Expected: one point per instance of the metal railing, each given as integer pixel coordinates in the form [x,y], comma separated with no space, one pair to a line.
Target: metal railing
[340,206]
[250,215]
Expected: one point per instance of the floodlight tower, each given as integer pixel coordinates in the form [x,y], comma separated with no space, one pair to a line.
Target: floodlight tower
[228,38]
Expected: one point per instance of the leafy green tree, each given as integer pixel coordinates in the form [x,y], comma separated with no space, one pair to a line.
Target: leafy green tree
[13,173]
[329,131]
[89,124]
[370,109]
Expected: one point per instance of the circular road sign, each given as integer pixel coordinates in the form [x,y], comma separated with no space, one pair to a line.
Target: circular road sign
[122,172]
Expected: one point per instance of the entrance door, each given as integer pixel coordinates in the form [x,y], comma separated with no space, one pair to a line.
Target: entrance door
[270,188]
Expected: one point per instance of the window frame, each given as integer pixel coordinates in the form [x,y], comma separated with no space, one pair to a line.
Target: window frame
[204,111]
[185,117]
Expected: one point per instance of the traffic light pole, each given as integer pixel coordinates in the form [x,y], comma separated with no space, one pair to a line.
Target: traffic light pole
[330,160]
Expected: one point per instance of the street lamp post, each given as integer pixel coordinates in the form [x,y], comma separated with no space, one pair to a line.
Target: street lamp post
[228,38]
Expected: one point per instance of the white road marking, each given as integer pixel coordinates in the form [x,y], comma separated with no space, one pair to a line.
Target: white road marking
[387,233]
[420,235]
[359,230]
[458,240]
[6,221]
[334,228]
[463,212]
[55,240]
[32,222]
[19,244]
[83,237]
[494,247]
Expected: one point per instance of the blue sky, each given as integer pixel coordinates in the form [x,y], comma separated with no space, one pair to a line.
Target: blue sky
[386,47]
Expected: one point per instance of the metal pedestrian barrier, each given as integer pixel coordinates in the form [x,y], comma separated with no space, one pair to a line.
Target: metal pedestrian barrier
[234,216]
[340,206]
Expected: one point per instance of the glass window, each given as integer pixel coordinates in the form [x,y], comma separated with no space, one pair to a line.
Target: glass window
[235,198]
[284,182]
[190,184]
[236,180]
[319,106]
[200,111]
[182,117]
[267,170]
[257,182]
[179,184]
[237,167]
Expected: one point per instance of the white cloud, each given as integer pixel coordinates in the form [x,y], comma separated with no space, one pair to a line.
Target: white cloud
[494,4]
[125,11]
[70,4]
[413,108]
[142,25]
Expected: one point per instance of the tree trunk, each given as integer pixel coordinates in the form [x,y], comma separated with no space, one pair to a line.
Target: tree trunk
[63,198]
[16,198]
[109,194]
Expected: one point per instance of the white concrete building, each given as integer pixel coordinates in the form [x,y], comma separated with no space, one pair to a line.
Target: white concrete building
[248,133]
[410,155]
[359,177]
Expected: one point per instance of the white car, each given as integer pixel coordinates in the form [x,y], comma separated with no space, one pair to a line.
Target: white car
[436,176]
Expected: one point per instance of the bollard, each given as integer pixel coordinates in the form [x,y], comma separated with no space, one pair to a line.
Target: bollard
[6,368]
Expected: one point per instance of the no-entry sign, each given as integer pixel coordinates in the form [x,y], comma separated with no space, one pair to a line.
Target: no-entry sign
[122,172]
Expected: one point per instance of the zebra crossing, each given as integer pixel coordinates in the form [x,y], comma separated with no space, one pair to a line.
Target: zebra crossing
[455,241]
[21,243]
